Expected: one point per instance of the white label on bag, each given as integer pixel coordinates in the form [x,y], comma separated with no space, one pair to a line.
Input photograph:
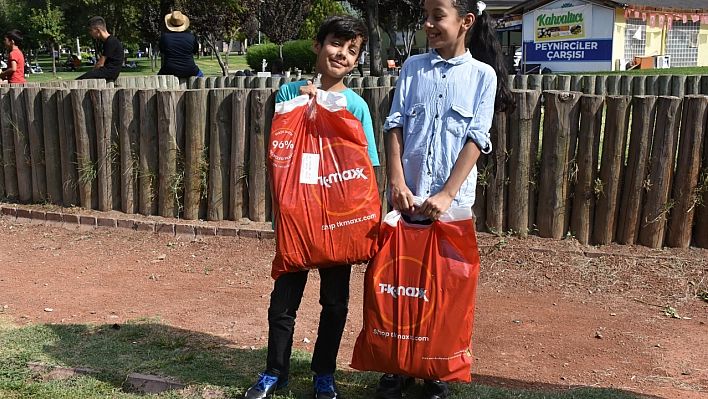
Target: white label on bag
[309,169]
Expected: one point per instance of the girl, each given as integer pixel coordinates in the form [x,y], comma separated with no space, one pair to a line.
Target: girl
[439,124]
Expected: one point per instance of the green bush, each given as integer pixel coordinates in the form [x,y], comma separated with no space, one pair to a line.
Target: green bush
[298,54]
[256,53]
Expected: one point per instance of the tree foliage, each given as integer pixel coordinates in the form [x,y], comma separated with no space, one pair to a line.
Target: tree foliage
[281,19]
[321,9]
[213,21]
[48,24]
[404,17]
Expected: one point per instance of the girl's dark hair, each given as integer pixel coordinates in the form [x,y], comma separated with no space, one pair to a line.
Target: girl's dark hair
[345,27]
[484,46]
[14,35]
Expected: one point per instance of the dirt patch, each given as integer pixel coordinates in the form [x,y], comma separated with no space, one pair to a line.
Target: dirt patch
[551,315]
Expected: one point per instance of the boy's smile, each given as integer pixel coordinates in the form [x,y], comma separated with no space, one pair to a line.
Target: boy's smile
[336,57]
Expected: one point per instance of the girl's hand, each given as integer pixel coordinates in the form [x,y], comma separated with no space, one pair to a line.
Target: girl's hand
[401,197]
[435,206]
[310,89]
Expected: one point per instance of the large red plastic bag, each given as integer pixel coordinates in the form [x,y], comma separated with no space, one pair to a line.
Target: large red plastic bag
[419,298]
[327,209]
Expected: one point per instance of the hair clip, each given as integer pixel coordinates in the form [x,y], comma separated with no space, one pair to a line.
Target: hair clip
[481,6]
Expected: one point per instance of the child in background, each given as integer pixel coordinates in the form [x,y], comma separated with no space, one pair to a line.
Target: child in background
[15,72]
[439,124]
[338,43]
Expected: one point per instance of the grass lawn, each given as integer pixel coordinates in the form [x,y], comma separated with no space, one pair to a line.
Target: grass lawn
[204,362]
[209,66]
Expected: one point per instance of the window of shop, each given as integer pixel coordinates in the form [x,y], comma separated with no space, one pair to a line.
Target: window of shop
[682,43]
[635,39]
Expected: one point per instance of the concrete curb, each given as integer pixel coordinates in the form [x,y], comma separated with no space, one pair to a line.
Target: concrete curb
[176,228]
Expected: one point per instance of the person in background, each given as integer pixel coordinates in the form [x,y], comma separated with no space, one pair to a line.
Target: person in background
[178,48]
[15,72]
[109,65]
[362,60]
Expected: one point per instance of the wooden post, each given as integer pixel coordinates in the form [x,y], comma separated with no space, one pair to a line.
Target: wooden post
[626,85]
[196,163]
[238,186]
[657,205]
[576,83]
[639,85]
[259,83]
[84,129]
[601,85]
[33,107]
[535,82]
[103,115]
[704,84]
[652,85]
[643,116]
[700,230]
[220,124]
[549,82]
[22,149]
[521,160]
[148,152]
[521,82]
[693,84]
[384,81]
[67,147]
[52,154]
[586,161]
[379,101]
[664,84]
[497,189]
[613,84]
[554,163]
[262,106]
[564,82]
[129,105]
[688,164]
[678,85]
[8,145]
[510,81]
[479,208]
[169,181]
[589,84]
[611,165]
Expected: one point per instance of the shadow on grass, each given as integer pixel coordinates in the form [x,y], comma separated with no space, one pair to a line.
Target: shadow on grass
[149,347]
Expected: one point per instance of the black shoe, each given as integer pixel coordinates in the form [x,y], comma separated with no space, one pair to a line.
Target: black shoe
[391,386]
[265,386]
[436,389]
[325,387]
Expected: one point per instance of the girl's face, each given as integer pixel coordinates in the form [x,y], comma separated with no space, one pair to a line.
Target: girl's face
[445,28]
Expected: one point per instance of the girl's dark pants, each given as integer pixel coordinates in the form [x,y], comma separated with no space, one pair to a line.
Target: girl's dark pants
[284,303]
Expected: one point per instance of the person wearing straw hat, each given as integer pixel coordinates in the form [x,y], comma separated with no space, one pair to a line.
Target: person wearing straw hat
[178,48]
[109,65]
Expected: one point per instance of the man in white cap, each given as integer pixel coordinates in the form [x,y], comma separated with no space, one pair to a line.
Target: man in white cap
[178,48]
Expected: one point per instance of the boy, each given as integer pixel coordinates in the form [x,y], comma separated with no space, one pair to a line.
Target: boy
[15,72]
[338,43]
[109,65]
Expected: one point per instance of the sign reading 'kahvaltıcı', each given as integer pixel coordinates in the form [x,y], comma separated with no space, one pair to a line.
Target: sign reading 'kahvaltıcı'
[567,23]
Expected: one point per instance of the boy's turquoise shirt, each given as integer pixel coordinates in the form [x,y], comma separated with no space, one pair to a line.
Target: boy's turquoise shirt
[355,105]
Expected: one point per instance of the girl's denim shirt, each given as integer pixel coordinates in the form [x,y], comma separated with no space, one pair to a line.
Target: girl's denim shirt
[440,105]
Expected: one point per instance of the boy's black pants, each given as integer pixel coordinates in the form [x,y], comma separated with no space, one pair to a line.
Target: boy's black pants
[284,303]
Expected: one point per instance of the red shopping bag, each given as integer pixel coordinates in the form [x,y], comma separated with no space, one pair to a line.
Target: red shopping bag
[419,299]
[326,201]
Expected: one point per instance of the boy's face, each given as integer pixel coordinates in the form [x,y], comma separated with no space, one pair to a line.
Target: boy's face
[8,43]
[94,32]
[337,57]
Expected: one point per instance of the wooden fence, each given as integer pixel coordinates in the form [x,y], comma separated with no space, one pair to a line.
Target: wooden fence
[604,85]
[200,154]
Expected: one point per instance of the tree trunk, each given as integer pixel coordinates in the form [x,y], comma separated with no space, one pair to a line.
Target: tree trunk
[212,44]
[372,22]
[54,62]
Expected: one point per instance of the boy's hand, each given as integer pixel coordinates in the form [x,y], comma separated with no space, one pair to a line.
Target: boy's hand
[435,206]
[309,89]
[401,197]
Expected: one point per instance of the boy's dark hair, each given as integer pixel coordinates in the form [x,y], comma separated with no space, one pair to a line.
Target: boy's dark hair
[279,65]
[97,22]
[345,27]
[484,46]
[14,35]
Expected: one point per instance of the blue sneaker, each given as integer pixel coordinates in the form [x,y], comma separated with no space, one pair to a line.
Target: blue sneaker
[265,386]
[325,387]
